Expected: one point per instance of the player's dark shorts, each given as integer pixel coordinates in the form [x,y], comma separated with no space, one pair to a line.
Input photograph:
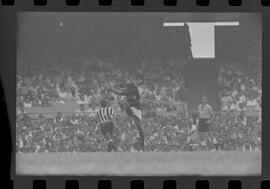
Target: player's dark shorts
[203,125]
[107,127]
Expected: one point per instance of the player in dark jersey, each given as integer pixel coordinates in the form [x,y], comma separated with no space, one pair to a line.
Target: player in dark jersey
[105,122]
[132,107]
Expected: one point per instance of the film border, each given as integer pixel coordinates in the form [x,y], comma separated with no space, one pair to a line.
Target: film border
[8,72]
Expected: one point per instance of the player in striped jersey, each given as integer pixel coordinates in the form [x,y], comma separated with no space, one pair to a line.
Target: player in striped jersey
[105,122]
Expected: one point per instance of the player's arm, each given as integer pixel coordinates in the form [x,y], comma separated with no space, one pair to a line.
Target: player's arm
[110,113]
[121,93]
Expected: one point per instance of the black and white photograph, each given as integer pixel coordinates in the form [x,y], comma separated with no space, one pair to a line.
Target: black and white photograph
[144,94]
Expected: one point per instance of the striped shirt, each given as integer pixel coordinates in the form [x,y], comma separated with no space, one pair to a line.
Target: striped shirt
[105,114]
[205,111]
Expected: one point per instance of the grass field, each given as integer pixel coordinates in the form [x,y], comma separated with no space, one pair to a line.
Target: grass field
[138,163]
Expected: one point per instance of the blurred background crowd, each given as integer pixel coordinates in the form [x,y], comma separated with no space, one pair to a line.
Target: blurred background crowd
[240,86]
[164,100]
[159,87]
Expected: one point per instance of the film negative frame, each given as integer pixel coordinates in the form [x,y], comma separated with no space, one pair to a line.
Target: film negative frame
[8,11]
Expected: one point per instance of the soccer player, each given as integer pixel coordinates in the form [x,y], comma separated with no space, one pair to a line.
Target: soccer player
[132,107]
[206,115]
[105,122]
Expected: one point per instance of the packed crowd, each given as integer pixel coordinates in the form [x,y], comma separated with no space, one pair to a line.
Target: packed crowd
[163,99]
[78,132]
[159,90]
[239,131]
[163,132]
[240,87]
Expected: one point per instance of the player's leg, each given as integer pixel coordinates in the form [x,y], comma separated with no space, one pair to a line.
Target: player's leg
[105,129]
[196,141]
[213,140]
[111,127]
[137,117]
[110,145]
[130,118]
[202,143]
[138,123]
[208,136]
[202,129]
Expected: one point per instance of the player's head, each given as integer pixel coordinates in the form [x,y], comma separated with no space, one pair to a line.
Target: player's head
[204,99]
[103,103]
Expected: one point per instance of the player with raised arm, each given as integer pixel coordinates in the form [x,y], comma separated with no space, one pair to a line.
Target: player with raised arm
[206,116]
[132,107]
[105,116]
